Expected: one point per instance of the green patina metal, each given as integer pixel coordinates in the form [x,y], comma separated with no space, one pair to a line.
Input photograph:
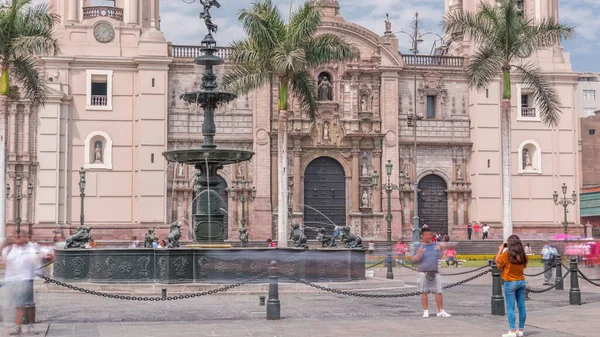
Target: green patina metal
[590,204]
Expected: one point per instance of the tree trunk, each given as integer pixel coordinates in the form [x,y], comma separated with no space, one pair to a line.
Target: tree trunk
[3,114]
[282,167]
[505,135]
[4,82]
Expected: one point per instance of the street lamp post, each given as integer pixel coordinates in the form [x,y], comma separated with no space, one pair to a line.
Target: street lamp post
[81,193]
[565,202]
[242,193]
[388,187]
[20,196]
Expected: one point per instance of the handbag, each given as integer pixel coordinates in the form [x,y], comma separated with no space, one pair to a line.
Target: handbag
[431,275]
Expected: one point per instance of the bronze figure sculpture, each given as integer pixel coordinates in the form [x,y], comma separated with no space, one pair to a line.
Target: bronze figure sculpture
[80,239]
[297,235]
[327,241]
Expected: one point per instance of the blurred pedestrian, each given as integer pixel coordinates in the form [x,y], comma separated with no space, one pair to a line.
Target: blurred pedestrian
[486,231]
[469,231]
[450,254]
[134,242]
[371,247]
[528,250]
[511,259]
[476,228]
[21,261]
[549,254]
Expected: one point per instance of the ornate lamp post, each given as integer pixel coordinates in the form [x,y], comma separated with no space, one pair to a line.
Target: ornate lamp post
[242,193]
[81,193]
[19,196]
[565,202]
[388,187]
[416,38]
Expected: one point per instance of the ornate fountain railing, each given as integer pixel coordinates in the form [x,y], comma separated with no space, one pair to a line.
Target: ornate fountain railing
[178,51]
[103,11]
[433,61]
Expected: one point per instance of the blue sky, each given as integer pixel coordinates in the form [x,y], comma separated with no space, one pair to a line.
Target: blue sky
[181,25]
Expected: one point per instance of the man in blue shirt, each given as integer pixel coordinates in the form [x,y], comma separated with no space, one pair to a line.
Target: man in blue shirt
[428,279]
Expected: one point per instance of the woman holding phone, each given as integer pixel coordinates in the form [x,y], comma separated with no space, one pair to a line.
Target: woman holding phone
[512,260]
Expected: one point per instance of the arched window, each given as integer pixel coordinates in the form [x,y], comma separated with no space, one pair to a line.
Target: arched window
[530,157]
[97,151]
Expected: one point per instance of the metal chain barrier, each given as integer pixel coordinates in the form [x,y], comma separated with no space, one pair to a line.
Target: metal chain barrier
[540,273]
[153,298]
[591,281]
[465,272]
[529,290]
[349,293]
[376,264]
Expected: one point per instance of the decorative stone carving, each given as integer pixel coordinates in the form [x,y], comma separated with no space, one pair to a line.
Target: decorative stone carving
[388,23]
[180,265]
[365,170]
[77,265]
[366,99]
[327,241]
[240,170]
[459,172]
[125,267]
[180,172]
[298,236]
[326,131]
[80,239]
[365,199]
[202,263]
[142,264]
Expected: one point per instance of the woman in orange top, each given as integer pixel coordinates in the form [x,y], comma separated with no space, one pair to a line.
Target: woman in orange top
[513,262]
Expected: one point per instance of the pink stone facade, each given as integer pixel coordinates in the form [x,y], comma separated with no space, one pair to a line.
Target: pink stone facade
[124,94]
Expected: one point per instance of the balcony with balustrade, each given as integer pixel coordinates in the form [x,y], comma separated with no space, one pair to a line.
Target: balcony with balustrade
[527,112]
[178,51]
[103,11]
[99,100]
[433,61]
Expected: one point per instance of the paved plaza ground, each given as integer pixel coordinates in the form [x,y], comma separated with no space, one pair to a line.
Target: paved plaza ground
[319,314]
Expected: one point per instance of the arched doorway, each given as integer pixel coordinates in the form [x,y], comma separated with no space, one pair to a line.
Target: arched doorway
[324,196]
[224,205]
[433,203]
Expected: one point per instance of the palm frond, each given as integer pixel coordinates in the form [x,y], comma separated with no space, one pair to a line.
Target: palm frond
[25,72]
[478,27]
[547,33]
[304,90]
[285,62]
[484,66]
[244,78]
[247,52]
[329,48]
[303,23]
[262,23]
[35,31]
[545,95]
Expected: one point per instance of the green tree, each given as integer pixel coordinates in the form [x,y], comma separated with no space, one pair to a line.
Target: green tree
[505,40]
[283,53]
[26,31]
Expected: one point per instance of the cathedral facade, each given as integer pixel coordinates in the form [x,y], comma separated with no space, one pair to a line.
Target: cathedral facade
[115,108]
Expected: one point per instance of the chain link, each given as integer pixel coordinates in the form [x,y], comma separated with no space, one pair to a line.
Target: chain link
[349,293]
[451,274]
[591,281]
[538,274]
[376,264]
[529,290]
[154,298]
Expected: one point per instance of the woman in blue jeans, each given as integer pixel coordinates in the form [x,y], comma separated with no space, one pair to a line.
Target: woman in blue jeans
[511,258]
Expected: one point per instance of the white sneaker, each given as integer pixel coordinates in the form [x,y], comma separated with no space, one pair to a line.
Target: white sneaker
[520,333]
[426,314]
[443,314]
[510,334]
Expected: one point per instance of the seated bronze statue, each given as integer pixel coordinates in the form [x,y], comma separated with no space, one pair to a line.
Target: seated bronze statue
[80,239]
[327,241]
[351,240]
[298,236]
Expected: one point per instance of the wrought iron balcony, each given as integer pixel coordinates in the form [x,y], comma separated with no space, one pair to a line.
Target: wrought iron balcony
[433,61]
[194,51]
[103,11]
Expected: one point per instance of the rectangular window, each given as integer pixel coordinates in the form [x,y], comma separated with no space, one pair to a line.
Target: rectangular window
[589,112]
[592,132]
[430,107]
[589,94]
[99,90]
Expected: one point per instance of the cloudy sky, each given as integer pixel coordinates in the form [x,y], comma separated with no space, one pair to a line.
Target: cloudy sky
[180,23]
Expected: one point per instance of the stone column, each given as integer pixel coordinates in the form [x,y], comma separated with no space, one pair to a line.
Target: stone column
[134,11]
[297,175]
[454,211]
[10,209]
[26,118]
[465,208]
[12,126]
[72,14]
[377,167]
[355,177]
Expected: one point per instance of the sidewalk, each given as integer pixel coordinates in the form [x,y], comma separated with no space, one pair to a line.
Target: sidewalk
[582,322]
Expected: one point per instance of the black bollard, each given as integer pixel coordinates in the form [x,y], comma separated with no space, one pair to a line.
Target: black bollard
[558,283]
[164,293]
[498,308]
[261,300]
[273,304]
[574,292]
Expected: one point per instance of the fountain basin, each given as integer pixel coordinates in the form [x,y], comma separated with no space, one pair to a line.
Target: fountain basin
[220,266]
[212,156]
[207,97]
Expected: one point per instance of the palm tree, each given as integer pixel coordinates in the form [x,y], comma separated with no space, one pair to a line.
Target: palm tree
[283,53]
[505,39]
[26,31]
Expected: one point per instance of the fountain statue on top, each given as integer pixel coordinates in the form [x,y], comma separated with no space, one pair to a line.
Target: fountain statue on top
[208,219]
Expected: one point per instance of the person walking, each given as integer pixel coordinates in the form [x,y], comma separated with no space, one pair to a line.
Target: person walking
[401,251]
[485,229]
[549,254]
[371,247]
[476,228]
[426,257]
[469,231]
[513,262]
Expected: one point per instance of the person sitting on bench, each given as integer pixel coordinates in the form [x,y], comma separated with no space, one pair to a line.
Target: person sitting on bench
[450,255]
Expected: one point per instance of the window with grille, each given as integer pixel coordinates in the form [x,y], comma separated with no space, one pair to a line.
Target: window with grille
[589,94]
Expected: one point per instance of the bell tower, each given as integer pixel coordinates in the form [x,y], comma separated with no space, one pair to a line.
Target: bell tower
[135,13]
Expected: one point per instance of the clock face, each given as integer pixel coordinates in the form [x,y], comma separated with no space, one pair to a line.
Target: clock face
[104,32]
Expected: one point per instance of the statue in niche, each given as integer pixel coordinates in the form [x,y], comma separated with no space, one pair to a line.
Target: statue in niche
[365,170]
[341,132]
[363,103]
[98,158]
[365,199]
[290,189]
[388,23]
[326,131]
[180,170]
[405,170]
[527,160]
[459,172]
[240,170]
[325,88]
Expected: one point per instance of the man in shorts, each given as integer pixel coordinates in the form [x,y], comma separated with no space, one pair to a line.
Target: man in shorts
[21,261]
[426,257]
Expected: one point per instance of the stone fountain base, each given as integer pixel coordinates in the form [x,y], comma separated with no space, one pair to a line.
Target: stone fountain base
[188,265]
